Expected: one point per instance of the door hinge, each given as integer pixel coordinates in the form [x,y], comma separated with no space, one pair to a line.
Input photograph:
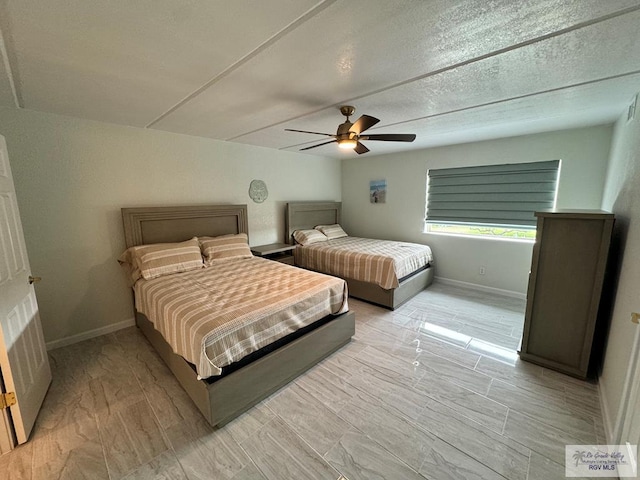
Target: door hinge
[7,400]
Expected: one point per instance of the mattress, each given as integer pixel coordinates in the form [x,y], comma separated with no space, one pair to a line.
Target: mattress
[217,315]
[381,262]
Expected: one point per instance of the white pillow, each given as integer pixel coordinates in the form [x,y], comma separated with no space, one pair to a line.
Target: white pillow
[307,237]
[332,231]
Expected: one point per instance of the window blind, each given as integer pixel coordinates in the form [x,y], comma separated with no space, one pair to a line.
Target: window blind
[505,195]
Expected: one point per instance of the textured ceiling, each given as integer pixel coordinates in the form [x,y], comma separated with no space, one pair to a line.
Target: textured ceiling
[448,71]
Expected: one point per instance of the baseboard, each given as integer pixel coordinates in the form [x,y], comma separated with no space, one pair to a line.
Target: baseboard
[482,288]
[606,415]
[96,332]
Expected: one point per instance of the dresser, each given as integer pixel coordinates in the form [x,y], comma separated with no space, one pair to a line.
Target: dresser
[565,286]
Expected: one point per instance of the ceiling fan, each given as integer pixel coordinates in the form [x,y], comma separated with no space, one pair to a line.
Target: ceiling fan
[349,134]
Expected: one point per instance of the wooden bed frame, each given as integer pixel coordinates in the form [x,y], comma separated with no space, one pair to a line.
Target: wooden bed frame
[231,395]
[304,215]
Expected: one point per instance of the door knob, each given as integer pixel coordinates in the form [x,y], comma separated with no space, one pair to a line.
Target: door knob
[34,279]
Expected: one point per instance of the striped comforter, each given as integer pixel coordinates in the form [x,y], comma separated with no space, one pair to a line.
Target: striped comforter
[217,315]
[381,262]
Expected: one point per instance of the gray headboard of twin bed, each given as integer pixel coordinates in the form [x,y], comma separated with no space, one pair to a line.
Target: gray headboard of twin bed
[176,224]
[304,215]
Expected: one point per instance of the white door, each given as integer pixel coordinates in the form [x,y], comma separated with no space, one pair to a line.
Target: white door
[631,423]
[23,356]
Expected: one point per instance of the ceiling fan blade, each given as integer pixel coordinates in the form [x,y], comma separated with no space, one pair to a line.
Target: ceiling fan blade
[318,145]
[391,137]
[365,122]
[305,131]
[360,149]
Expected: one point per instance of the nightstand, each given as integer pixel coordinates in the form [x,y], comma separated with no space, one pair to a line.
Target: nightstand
[280,252]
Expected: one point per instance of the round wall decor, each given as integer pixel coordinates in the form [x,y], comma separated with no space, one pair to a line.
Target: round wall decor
[258,191]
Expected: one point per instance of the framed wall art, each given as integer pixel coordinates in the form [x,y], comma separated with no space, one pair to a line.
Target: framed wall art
[378,191]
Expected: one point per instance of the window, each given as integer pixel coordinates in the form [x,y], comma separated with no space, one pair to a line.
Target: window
[490,200]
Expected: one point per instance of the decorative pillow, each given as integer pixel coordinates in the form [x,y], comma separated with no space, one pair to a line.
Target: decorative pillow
[225,246]
[332,231]
[159,259]
[307,237]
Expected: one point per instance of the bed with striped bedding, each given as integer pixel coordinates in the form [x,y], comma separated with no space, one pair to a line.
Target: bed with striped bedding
[217,315]
[381,262]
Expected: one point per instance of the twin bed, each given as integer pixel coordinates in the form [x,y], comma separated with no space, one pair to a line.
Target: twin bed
[311,323]
[234,328]
[378,271]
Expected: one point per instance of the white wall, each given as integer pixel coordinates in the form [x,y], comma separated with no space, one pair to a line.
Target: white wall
[622,197]
[584,154]
[72,177]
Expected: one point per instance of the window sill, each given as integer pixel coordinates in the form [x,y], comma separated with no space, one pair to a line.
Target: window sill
[480,237]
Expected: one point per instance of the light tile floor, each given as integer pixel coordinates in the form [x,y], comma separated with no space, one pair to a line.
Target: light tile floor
[433,390]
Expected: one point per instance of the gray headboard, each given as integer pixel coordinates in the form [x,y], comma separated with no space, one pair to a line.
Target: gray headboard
[303,215]
[146,225]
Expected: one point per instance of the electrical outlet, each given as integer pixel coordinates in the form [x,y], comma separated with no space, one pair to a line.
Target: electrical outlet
[481,270]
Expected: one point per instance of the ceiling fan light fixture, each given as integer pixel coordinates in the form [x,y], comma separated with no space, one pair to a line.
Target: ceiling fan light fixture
[347,144]
[349,134]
